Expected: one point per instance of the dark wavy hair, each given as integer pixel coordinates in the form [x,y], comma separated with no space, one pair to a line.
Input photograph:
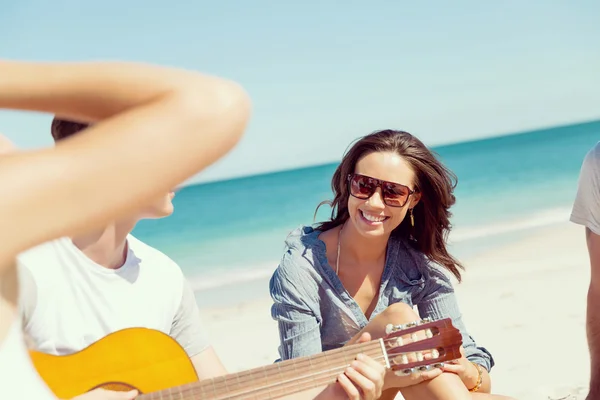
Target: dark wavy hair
[434,181]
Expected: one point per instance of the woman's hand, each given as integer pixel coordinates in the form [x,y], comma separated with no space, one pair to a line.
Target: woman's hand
[396,379]
[362,380]
[464,368]
[401,381]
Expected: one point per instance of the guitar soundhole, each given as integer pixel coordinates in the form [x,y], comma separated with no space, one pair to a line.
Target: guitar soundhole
[116,387]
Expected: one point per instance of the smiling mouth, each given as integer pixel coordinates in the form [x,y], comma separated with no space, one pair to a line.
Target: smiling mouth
[374,219]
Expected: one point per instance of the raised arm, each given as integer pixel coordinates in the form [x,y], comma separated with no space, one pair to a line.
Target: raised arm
[153,126]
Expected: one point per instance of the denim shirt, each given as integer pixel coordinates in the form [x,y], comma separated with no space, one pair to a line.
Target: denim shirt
[315,313]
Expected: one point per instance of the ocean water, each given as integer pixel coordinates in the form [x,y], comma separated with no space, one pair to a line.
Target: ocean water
[228,236]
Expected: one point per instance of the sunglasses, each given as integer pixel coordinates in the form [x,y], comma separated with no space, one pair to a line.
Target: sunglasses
[394,194]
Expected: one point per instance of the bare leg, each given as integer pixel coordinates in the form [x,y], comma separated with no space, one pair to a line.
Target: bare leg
[446,386]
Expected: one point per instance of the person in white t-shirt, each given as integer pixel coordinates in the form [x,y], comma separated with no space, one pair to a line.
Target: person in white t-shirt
[184,121]
[586,212]
[139,286]
[49,193]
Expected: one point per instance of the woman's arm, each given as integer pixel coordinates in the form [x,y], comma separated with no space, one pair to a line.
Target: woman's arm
[437,301]
[299,330]
[154,126]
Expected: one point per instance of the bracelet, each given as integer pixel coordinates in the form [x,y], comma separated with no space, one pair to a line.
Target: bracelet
[479,377]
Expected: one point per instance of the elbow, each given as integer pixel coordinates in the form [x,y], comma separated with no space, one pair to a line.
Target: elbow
[213,107]
[235,105]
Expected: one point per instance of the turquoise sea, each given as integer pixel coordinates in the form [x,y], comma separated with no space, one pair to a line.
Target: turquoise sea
[228,235]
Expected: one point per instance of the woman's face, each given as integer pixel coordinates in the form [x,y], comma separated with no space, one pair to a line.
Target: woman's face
[372,217]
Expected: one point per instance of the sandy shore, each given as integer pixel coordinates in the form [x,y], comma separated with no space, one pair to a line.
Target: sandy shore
[524,302]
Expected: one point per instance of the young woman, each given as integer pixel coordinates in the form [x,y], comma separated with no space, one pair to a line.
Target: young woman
[152,126]
[378,256]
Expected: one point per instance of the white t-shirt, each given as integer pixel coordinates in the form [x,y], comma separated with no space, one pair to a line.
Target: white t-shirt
[586,209]
[69,302]
[18,378]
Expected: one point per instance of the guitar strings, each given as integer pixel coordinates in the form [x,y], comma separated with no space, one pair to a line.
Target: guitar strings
[279,388]
[205,388]
[282,388]
[323,375]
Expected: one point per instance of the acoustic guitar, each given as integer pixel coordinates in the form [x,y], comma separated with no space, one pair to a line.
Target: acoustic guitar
[158,367]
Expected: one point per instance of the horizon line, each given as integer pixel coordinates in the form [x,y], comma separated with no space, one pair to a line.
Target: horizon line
[434,147]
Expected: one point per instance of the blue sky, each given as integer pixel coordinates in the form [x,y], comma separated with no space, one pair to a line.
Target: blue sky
[322,73]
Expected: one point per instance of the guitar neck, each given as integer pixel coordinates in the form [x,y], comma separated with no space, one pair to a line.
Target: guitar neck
[275,380]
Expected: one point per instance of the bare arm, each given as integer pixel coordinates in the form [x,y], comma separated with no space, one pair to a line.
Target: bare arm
[593,312]
[157,127]
[208,364]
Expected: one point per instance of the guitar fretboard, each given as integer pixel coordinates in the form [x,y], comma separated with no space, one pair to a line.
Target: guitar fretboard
[274,380]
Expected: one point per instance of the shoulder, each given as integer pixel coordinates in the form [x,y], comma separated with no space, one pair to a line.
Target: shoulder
[150,255]
[155,263]
[38,268]
[585,206]
[38,253]
[38,260]
[593,156]
[415,267]
[302,251]
[410,263]
[591,161]
[298,268]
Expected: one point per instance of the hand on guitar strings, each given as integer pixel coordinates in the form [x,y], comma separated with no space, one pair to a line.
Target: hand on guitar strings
[397,379]
[362,380]
[102,394]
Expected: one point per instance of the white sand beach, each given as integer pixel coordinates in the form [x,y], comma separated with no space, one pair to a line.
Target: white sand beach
[524,302]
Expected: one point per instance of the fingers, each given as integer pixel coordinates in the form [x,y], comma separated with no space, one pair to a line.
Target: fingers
[365,337]
[428,375]
[368,375]
[112,395]
[364,384]
[403,380]
[369,361]
[349,388]
[454,368]
[132,394]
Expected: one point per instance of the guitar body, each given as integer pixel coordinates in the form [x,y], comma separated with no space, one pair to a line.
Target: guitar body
[135,358]
[156,365]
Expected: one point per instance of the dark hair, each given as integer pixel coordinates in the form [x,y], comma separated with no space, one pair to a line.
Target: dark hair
[434,181]
[62,128]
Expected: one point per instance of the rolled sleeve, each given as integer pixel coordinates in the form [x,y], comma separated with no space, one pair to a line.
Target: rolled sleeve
[439,301]
[299,326]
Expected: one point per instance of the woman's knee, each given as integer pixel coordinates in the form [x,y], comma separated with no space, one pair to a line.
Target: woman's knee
[396,314]
[399,313]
